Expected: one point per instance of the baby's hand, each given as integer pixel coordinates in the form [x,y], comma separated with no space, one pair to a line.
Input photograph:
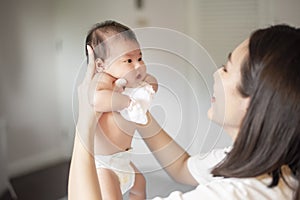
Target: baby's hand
[121,82]
[134,112]
[120,85]
[141,98]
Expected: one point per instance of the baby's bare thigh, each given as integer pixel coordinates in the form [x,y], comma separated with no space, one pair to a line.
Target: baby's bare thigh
[139,187]
[109,184]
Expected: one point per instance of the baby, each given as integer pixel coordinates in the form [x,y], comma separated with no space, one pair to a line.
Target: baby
[123,96]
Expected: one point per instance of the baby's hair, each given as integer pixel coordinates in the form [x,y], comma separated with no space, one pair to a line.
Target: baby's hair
[99,33]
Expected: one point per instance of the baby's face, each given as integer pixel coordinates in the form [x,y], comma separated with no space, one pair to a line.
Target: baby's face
[125,61]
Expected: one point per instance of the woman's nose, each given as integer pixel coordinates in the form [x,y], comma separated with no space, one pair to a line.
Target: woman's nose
[217,74]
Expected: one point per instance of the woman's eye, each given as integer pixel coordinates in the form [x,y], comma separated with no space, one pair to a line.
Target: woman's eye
[140,59]
[224,68]
[129,61]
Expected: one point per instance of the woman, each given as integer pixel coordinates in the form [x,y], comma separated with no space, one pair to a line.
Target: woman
[259,108]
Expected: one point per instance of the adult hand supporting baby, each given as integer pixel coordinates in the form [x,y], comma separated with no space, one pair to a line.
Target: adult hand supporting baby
[88,117]
[85,185]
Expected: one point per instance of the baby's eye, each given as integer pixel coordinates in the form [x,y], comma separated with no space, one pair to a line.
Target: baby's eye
[140,59]
[129,61]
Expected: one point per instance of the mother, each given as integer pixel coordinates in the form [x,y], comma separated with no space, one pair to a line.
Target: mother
[261,98]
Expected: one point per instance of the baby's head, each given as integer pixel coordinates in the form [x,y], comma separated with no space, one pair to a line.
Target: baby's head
[117,52]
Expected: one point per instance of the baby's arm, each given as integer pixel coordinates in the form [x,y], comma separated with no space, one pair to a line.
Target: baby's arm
[109,101]
[152,81]
[108,97]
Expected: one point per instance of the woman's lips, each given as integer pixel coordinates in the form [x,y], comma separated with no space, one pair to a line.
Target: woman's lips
[213,99]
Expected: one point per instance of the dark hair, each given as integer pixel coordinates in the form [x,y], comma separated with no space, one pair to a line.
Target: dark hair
[269,137]
[101,31]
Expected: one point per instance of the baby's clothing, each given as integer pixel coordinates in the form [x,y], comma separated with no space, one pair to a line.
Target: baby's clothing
[120,164]
[141,98]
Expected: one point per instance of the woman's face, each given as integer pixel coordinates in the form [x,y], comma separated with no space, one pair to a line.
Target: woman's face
[228,107]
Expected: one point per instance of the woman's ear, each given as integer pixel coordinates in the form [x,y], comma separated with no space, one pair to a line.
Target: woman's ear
[99,65]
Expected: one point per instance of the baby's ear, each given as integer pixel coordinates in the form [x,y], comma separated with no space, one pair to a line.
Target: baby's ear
[99,65]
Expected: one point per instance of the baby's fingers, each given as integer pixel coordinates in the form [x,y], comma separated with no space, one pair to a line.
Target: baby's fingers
[93,87]
[91,65]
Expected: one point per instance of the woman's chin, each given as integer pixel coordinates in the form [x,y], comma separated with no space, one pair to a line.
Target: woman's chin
[210,113]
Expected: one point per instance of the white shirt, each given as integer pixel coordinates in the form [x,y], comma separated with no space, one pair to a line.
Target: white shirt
[218,188]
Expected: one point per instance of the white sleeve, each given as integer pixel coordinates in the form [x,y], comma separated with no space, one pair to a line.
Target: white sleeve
[235,189]
[200,165]
[214,191]
[239,188]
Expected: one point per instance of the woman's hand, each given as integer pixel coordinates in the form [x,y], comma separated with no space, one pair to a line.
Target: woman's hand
[83,181]
[88,117]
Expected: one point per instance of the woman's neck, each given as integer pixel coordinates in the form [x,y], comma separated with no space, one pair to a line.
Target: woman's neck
[232,132]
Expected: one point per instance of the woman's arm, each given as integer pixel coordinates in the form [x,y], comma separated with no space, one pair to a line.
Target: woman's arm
[172,157]
[83,182]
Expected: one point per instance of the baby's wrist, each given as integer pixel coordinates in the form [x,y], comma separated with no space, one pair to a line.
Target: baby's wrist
[129,102]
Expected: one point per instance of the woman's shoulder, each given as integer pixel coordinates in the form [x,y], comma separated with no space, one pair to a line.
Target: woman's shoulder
[213,156]
[246,188]
[200,165]
[250,188]
[236,189]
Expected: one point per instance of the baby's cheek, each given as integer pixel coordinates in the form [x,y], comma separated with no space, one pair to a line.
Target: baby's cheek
[131,77]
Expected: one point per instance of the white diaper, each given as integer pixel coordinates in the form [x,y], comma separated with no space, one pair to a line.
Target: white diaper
[120,164]
[141,98]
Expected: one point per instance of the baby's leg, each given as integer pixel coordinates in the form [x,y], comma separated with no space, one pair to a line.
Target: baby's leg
[109,184]
[138,190]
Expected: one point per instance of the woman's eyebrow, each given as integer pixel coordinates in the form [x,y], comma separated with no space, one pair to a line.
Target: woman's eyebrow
[229,57]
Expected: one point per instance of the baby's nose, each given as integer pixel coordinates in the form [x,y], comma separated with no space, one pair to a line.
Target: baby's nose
[137,65]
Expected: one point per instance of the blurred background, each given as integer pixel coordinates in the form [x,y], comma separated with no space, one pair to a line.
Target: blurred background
[42,49]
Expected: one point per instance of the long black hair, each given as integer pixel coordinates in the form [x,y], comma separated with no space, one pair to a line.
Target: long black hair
[269,137]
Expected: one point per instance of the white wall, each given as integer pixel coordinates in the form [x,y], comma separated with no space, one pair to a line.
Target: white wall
[286,12]
[42,48]
[29,84]
[3,167]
